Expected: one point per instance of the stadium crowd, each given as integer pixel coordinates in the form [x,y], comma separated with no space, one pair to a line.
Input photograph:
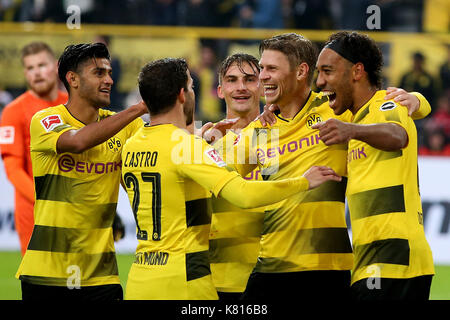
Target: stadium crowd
[414,16]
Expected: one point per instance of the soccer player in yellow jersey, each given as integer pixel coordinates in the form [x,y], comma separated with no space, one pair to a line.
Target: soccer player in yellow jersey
[393,260]
[234,238]
[305,243]
[169,175]
[76,160]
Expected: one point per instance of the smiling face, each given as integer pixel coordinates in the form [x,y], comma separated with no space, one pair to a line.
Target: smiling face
[240,88]
[96,82]
[41,72]
[277,77]
[335,80]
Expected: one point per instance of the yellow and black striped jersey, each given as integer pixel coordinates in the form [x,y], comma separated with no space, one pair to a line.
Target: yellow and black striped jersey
[76,197]
[168,174]
[384,200]
[306,231]
[235,235]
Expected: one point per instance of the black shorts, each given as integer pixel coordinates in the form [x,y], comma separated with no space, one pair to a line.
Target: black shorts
[417,288]
[230,296]
[305,285]
[34,292]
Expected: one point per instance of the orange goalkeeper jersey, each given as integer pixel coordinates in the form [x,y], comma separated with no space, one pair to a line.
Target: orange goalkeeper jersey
[15,151]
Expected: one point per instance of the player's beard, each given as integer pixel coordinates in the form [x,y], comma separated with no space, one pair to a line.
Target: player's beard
[43,88]
[188,109]
[91,94]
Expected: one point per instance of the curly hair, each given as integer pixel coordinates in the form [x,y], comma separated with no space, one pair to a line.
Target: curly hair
[362,49]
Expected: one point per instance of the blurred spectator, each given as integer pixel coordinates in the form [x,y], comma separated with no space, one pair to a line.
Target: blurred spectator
[116,98]
[436,144]
[264,14]
[418,79]
[208,104]
[318,14]
[444,72]
[441,117]
[9,9]
[199,13]
[163,12]
[5,98]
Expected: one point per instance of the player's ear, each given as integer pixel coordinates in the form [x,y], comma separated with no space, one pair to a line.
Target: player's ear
[73,79]
[358,71]
[181,96]
[220,92]
[302,71]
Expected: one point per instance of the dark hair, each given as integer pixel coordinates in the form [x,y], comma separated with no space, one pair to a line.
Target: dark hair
[160,83]
[297,49]
[239,59]
[75,55]
[36,47]
[364,50]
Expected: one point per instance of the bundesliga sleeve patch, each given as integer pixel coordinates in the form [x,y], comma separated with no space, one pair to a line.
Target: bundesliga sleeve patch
[215,157]
[51,122]
[388,106]
[7,135]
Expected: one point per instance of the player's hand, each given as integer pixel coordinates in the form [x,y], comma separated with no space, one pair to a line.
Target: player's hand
[213,132]
[141,107]
[404,98]
[118,228]
[316,175]
[334,131]
[268,115]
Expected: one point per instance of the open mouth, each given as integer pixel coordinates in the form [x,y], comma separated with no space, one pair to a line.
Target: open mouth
[241,98]
[330,94]
[105,90]
[269,88]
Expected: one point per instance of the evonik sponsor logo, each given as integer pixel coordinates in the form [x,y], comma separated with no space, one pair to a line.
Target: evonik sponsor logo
[67,163]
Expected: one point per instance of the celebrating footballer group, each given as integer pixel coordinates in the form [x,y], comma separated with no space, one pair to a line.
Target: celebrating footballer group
[252,210]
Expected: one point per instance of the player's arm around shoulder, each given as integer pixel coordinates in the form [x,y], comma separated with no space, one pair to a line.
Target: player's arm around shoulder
[79,140]
[417,105]
[384,132]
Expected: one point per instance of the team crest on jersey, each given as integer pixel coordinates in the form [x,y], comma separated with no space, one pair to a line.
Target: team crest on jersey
[51,122]
[7,135]
[215,157]
[312,119]
[114,144]
[388,106]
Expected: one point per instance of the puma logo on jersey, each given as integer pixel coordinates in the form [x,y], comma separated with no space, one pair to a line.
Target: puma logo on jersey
[388,106]
[51,122]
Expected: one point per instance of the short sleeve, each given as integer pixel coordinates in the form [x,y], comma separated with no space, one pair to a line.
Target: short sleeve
[45,130]
[205,166]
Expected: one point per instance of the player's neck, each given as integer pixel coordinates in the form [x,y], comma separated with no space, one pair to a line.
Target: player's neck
[291,107]
[50,96]
[361,95]
[244,118]
[175,116]
[82,110]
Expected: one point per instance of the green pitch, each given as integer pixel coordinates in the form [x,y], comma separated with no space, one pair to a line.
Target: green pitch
[10,286]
